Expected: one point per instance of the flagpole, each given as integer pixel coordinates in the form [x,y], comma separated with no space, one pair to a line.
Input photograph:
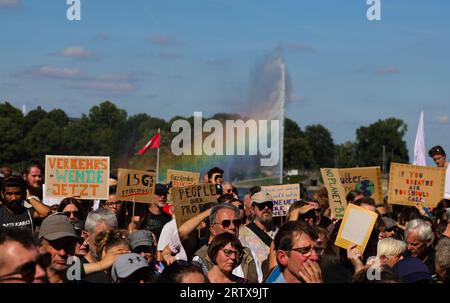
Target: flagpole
[157,162]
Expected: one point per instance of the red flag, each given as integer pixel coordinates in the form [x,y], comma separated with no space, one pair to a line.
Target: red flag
[153,143]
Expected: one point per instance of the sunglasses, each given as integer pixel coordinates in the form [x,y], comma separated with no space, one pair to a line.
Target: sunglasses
[28,270]
[227,223]
[230,252]
[268,204]
[75,213]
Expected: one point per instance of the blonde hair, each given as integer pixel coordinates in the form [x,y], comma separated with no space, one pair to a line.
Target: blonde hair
[390,247]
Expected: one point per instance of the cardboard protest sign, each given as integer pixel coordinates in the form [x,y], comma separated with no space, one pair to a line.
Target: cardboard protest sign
[411,184]
[283,196]
[336,192]
[188,200]
[365,179]
[356,227]
[182,178]
[83,176]
[135,185]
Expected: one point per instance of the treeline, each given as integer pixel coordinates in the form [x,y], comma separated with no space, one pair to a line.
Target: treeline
[108,130]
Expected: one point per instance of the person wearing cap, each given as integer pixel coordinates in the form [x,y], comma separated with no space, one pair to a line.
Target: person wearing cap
[57,237]
[259,234]
[390,229]
[131,268]
[156,217]
[143,243]
[437,153]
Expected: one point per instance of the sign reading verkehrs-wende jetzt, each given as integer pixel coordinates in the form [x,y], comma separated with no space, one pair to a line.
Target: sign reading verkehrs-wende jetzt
[83,176]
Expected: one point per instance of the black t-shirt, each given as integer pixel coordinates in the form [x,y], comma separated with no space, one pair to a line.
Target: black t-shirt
[155,223]
[23,218]
[96,277]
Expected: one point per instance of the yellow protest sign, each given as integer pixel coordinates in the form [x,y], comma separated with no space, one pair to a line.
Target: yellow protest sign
[336,192]
[365,179]
[83,176]
[188,200]
[182,178]
[356,227]
[135,185]
[283,196]
[412,185]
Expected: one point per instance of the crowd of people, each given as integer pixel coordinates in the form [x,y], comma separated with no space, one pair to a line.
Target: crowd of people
[234,240]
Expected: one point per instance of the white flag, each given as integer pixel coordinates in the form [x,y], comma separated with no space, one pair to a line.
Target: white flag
[419,145]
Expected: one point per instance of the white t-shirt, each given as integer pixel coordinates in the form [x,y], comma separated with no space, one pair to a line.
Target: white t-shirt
[169,235]
[447,183]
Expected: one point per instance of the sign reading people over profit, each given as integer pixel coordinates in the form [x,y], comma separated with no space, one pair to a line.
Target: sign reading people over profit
[412,185]
[135,185]
[336,192]
[283,196]
[188,200]
[182,178]
[365,179]
[356,227]
[86,177]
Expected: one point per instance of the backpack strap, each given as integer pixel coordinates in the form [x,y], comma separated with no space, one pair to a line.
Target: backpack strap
[260,233]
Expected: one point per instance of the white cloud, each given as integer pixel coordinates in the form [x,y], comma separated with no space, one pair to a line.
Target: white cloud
[441,119]
[49,71]
[10,3]
[75,52]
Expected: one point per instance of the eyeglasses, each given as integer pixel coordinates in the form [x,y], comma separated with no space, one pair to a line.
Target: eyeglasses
[227,223]
[267,204]
[114,204]
[28,270]
[308,249]
[230,252]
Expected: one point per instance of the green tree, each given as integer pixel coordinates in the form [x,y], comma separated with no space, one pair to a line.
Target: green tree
[11,134]
[388,133]
[33,117]
[322,145]
[297,151]
[346,155]
[44,138]
[59,117]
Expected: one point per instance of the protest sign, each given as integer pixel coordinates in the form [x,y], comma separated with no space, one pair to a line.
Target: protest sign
[365,179]
[188,200]
[412,185]
[356,227]
[135,185]
[336,192]
[83,176]
[182,178]
[283,196]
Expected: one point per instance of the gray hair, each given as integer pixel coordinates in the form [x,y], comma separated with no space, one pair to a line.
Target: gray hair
[390,247]
[421,227]
[442,256]
[215,210]
[99,216]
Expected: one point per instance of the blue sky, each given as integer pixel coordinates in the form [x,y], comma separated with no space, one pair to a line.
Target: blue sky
[168,58]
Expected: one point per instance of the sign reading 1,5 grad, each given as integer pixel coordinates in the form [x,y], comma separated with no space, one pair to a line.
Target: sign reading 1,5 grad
[86,177]
[135,185]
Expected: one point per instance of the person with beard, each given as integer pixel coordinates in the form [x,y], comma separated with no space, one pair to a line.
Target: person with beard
[224,218]
[259,234]
[57,237]
[32,174]
[13,213]
[156,217]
